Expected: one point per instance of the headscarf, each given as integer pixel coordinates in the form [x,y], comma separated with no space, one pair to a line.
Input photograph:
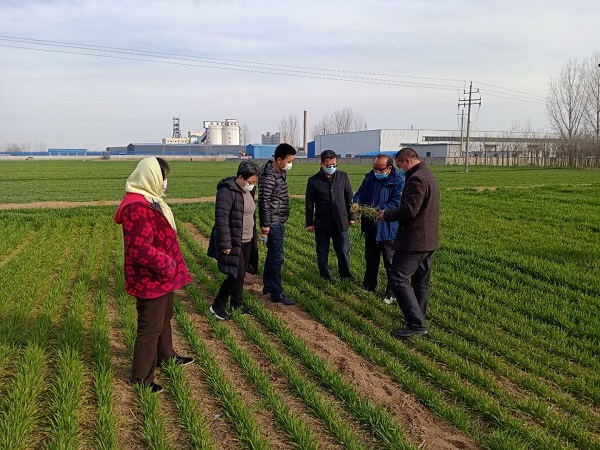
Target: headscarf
[147,180]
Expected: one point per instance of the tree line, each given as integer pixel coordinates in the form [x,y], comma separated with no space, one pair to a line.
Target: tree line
[573,107]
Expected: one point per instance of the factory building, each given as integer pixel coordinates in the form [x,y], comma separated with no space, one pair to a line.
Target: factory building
[67,152]
[184,150]
[270,139]
[260,151]
[442,145]
[222,133]
[215,133]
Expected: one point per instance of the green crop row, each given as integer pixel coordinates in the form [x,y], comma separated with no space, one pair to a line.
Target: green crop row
[570,429]
[21,408]
[376,418]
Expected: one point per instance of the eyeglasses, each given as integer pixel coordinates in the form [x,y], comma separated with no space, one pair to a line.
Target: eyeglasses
[378,170]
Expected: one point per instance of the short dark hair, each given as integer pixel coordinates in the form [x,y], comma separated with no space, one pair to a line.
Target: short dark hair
[164,167]
[406,152]
[389,161]
[247,169]
[328,154]
[284,150]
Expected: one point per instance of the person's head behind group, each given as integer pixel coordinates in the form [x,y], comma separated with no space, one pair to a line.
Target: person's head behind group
[284,156]
[406,159]
[383,166]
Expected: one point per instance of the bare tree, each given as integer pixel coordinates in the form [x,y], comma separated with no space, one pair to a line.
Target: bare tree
[346,120]
[341,121]
[289,129]
[323,126]
[592,74]
[567,101]
[245,136]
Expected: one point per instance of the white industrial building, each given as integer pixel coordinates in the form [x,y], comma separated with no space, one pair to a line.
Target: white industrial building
[222,133]
[214,133]
[270,138]
[436,144]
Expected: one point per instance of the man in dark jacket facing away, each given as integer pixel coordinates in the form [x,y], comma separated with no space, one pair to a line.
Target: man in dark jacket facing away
[273,212]
[416,241]
[381,189]
[328,214]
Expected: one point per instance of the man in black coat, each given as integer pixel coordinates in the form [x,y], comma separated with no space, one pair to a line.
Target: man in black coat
[273,212]
[416,241]
[328,214]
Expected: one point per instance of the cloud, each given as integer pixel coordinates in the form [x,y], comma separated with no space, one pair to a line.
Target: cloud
[74,100]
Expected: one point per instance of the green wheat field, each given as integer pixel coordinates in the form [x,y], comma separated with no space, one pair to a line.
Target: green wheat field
[512,359]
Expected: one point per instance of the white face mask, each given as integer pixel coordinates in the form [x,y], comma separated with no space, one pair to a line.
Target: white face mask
[287,167]
[165,184]
[248,187]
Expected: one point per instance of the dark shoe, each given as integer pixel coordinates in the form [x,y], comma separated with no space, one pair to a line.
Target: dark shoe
[367,289]
[403,333]
[221,315]
[283,299]
[287,301]
[183,360]
[180,360]
[265,291]
[327,277]
[155,388]
[240,309]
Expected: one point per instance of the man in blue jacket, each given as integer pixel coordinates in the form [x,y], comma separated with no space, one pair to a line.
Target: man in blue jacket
[381,189]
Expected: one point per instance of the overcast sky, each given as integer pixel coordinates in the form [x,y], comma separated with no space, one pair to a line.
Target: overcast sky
[66,100]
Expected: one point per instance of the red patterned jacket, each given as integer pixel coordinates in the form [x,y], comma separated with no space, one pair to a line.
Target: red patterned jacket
[154,265]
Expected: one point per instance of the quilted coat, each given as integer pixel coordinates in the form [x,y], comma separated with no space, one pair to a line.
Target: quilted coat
[228,229]
[154,265]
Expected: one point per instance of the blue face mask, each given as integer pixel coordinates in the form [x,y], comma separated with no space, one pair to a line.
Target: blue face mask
[402,173]
[329,170]
[381,176]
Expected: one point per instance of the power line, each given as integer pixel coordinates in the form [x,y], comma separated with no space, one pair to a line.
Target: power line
[508,89]
[270,68]
[89,46]
[299,74]
[536,102]
[250,70]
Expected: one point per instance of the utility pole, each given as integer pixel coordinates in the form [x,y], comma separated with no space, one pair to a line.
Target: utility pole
[462,128]
[470,101]
[305,145]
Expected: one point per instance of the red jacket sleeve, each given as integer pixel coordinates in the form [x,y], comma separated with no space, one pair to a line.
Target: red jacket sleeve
[138,239]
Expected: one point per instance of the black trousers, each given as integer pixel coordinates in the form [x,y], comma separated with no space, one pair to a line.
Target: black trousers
[341,245]
[234,287]
[410,282]
[374,252]
[153,343]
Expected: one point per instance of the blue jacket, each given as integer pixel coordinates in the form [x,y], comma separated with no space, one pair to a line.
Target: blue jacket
[389,198]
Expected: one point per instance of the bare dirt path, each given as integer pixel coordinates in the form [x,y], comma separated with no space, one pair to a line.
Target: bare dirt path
[372,382]
[64,205]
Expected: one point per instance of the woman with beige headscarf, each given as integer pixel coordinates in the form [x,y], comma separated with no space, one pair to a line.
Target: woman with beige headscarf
[154,266]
